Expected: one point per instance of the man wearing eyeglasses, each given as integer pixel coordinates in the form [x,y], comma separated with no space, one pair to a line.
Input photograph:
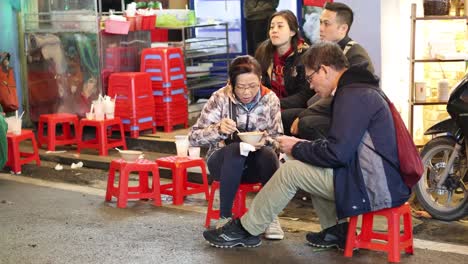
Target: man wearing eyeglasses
[350,172]
[313,122]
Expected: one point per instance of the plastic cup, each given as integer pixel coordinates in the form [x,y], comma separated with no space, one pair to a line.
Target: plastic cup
[182,145]
[90,116]
[110,115]
[17,127]
[109,106]
[99,111]
[14,125]
[194,152]
[99,115]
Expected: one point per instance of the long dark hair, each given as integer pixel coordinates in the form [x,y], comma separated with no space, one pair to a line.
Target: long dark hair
[264,52]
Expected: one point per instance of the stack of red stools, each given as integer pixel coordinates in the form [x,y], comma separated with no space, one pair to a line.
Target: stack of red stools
[168,81]
[134,102]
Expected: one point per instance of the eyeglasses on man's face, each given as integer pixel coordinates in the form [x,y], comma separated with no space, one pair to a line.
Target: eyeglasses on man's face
[310,76]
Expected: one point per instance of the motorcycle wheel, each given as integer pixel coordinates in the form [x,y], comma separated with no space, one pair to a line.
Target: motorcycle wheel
[451,203]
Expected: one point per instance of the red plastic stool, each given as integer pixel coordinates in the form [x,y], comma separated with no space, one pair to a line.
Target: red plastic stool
[395,241]
[16,158]
[52,140]
[101,142]
[239,208]
[180,186]
[123,192]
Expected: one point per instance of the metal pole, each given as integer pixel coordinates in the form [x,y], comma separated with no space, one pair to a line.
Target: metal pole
[412,65]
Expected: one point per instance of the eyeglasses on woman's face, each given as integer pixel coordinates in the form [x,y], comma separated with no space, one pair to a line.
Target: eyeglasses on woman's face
[250,87]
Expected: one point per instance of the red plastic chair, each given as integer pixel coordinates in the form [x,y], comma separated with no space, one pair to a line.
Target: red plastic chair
[395,241]
[239,208]
[101,142]
[16,158]
[51,139]
[123,192]
[180,186]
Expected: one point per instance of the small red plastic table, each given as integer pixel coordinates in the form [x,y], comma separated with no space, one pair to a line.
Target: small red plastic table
[123,192]
[52,139]
[16,157]
[180,186]
[101,142]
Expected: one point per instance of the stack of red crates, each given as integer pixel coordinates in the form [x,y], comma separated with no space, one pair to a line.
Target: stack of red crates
[134,102]
[168,81]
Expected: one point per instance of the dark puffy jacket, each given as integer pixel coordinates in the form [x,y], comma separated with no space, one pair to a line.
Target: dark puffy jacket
[361,119]
[356,55]
[294,74]
[259,9]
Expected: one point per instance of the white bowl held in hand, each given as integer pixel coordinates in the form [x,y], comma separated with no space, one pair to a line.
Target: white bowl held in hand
[130,155]
[251,138]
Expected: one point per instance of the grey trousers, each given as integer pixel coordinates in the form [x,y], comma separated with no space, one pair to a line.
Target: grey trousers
[282,187]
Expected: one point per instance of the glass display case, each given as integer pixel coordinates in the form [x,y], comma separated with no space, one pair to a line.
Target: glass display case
[61,46]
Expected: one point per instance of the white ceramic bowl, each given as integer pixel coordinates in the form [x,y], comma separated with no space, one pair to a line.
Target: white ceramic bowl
[130,155]
[251,138]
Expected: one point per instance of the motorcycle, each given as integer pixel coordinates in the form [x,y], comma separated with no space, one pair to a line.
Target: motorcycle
[443,188]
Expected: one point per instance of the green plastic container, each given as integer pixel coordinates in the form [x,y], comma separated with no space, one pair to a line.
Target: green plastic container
[175,18]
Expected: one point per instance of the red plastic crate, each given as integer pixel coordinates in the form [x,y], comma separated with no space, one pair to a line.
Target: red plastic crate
[145,22]
[159,35]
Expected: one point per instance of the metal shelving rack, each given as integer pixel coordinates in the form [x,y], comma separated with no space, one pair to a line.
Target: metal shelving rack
[413,61]
[210,51]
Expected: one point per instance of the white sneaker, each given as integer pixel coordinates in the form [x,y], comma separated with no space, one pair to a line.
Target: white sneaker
[222,221]
[274,230]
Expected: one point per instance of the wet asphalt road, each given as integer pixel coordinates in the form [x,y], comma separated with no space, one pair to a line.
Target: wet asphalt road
[46,225]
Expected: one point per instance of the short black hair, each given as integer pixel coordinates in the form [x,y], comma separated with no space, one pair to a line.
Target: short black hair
[243,64]
[325,53]
[344,13]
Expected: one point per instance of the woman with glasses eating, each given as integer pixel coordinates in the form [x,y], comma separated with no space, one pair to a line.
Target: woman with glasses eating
[243,105]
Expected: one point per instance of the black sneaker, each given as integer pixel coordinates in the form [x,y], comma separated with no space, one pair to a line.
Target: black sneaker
[334,236]
[231,235]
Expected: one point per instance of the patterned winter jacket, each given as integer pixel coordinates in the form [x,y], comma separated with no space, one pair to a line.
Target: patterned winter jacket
[265,115]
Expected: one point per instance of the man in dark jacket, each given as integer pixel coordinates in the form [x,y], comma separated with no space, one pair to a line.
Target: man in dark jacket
[342,172]
[257,13]
[310,118]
